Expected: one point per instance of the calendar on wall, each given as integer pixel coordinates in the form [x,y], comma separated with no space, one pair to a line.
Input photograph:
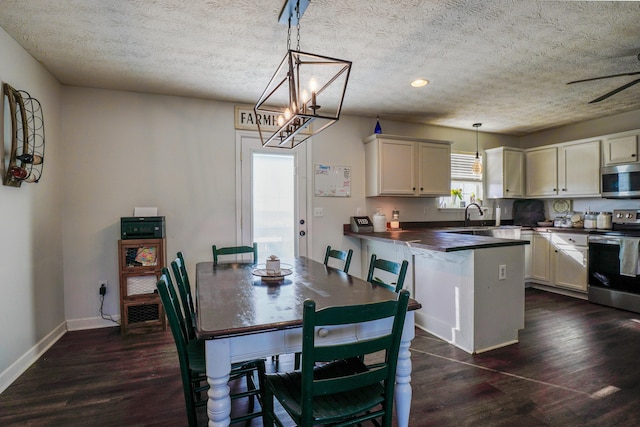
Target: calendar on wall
[332,181]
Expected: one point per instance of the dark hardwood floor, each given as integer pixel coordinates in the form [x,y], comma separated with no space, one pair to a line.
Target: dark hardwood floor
[577,364]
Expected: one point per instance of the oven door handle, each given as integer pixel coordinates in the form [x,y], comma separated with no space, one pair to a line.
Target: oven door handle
[604,240]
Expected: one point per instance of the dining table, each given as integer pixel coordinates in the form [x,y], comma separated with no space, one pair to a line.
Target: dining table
[244,312]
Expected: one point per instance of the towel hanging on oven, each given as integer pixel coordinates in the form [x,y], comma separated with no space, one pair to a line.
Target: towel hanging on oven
[629,249]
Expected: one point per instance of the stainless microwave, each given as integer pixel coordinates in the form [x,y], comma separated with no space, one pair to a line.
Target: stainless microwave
[621,182]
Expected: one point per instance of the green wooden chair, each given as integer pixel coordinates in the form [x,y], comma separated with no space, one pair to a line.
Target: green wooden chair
[191,355]
[235,250]
[186,301]
[346,391]
[339,255]
[390,267]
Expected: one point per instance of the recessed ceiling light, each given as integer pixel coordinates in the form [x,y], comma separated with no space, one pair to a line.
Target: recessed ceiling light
[419,82]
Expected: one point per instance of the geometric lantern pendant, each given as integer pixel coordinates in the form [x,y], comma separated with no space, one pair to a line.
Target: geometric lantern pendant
[303,98]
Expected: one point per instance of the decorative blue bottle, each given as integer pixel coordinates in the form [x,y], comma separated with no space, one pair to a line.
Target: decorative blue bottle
[378,128]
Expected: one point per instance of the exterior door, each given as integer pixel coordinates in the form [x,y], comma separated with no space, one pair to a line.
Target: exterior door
[273,197]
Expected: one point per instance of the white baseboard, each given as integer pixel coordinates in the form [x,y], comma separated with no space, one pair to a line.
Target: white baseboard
[20,366]
[91,323]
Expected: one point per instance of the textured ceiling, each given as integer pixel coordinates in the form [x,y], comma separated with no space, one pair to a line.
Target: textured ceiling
[504,63]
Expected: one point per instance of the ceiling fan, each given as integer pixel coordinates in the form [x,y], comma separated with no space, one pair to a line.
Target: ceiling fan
[613,92]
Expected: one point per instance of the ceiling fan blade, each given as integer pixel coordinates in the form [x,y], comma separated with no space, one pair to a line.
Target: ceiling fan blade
[613,92]
[605,77]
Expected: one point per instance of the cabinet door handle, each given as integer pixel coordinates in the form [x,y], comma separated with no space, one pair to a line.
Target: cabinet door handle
[564,189]
[555,189]
[633,155]
[421,188]
[507,190]
[414,188]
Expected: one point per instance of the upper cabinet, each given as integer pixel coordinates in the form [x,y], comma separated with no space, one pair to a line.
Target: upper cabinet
[504,173]
[565,170]
[542,171]
[579,169]
[400,166]
[621,148]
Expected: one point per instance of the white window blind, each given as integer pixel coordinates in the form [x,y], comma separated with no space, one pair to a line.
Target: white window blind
[461,167]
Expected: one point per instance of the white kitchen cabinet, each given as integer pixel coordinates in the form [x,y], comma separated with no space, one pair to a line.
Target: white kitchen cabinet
[400,166]
[540,259]
[579,169]
[559,260]
[434,169]
[565,170]
[569,260]
[528,236]
[542,171]
[620,149]
[504,173]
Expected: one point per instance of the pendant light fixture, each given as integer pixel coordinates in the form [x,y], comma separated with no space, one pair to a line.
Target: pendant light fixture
[477,165]
[305,94]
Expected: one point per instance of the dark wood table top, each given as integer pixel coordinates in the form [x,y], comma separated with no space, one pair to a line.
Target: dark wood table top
[231,300]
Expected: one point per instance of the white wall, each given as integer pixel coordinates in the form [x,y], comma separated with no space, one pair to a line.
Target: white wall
[32,302]
[604,126]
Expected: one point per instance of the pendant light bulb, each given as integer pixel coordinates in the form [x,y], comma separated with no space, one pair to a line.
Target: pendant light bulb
[476,168]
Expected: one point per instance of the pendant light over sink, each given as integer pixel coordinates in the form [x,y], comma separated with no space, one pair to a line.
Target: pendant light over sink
[305,94]
[476,168]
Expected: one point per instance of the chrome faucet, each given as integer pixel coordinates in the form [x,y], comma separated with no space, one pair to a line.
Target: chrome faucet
[467,215]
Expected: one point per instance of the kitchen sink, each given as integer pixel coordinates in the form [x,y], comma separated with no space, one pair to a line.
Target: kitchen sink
[503,232]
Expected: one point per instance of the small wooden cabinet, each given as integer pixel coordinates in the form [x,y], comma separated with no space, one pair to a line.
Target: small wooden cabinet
[504,173]
[140,264]
[400,166]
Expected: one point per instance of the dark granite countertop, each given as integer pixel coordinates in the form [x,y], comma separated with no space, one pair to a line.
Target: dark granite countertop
[436,240]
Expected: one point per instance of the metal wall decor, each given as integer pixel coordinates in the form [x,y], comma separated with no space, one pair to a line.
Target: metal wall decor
[23,140]
[305,94]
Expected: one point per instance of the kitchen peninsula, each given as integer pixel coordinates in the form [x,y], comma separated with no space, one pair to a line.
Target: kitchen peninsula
[471,287]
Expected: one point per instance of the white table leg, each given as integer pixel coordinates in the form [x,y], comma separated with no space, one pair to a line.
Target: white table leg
[403,373]
[218,369]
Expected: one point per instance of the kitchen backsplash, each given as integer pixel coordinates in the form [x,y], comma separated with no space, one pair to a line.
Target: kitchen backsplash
[426,209]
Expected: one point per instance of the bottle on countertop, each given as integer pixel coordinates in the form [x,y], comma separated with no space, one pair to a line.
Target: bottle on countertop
[498,216]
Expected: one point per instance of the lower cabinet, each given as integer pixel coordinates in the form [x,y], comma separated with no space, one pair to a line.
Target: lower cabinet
[559,260]
[540,260]
[569,260]
[528,236]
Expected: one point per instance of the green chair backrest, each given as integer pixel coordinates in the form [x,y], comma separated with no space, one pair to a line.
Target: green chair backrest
[380,372]
[174,297]
[186,300]
[172,308]
[183,269]
[340,255]
[235,250]
[400,270]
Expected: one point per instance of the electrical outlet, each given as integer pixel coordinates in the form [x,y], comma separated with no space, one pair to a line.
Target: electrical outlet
[358,211]
[425,211]
[102,290]
[318,212]
[502,272]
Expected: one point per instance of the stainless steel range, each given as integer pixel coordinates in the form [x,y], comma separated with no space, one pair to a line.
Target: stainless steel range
[614,278]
